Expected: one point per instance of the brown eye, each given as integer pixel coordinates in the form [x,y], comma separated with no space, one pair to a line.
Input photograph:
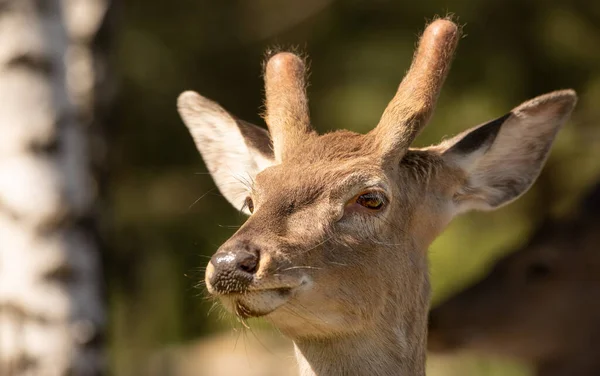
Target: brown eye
[249,204]
[371,200]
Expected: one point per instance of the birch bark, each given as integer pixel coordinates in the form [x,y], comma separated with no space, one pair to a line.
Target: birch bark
[52,313]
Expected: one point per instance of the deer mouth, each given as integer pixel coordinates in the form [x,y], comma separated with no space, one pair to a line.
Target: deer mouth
[262,302]
[257,303]
[261,296]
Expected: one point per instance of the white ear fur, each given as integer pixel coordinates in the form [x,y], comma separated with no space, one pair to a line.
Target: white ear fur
[234,151]
[501,159]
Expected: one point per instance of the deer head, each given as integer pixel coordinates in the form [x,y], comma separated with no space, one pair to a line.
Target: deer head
[334,250]
[539,304]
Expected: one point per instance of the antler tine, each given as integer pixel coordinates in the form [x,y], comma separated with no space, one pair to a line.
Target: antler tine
[410,109]
[287,114]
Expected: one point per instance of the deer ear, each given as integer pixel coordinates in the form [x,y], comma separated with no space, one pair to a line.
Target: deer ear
[501,159]
[234,151]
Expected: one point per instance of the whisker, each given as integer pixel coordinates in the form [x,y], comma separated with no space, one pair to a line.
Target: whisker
[317,245]
[294,312]
[230,226]
[212,308]
[245,346]
[336,263]
[261,343]
[300,267]
[239,332]
[200,198]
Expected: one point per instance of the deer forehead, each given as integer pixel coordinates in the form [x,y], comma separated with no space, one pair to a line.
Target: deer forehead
[341,145]
[328,166]
[332,183]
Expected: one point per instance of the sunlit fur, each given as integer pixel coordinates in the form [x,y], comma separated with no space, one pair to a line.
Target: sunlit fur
[350,287]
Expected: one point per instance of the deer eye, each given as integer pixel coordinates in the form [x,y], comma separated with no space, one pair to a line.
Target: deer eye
[373,200]
[249,204]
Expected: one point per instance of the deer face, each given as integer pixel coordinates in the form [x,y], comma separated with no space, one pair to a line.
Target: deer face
[339,223]
[321,224]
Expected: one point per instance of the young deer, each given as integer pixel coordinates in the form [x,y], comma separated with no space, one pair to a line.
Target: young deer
[334,250]
[540,304]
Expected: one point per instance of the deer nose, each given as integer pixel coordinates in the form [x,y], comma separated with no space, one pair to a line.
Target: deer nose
[233,270]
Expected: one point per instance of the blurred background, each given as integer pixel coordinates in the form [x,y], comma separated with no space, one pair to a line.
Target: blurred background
[161,216]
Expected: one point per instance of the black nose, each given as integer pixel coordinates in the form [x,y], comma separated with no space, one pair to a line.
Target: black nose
[241,261]
[233,270]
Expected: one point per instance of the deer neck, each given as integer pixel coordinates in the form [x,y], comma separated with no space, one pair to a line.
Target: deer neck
[394,345]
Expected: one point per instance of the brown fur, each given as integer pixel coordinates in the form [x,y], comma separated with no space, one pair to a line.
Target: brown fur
[287,114]
[415,100]
[349,284]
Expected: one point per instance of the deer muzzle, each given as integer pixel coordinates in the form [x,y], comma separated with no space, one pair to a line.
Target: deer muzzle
[248,281]
[231,271]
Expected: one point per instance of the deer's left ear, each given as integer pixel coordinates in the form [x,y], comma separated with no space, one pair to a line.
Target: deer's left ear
[501,159]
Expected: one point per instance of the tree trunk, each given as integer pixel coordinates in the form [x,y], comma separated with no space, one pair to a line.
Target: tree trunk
[52,313]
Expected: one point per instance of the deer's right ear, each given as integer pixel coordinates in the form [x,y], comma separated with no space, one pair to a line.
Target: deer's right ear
[501,159]
[234,151]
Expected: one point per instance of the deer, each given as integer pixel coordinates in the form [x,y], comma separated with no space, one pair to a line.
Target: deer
[539,304]
[334,251]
